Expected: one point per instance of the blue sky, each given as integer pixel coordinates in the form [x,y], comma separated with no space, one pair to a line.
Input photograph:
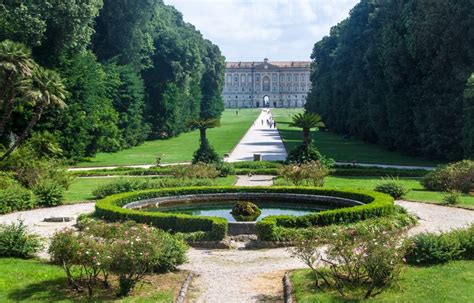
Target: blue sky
[249,30]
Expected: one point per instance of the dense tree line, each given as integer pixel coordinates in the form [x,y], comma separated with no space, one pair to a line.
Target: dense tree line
[396,72]
[132,70]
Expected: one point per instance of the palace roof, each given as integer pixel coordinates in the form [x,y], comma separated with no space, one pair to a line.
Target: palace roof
[243,64]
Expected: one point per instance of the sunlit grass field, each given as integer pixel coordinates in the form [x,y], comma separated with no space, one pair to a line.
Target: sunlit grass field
[338,147]
[181,148]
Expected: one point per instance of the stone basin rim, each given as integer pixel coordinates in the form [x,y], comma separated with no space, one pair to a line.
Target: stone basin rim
[241,228]
[290,197]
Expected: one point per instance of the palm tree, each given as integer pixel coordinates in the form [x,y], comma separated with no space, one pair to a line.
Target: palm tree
[203,124]
[307,121]
[16,65]
[46,90]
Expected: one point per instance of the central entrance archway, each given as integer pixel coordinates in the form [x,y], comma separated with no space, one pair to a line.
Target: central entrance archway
[266,101]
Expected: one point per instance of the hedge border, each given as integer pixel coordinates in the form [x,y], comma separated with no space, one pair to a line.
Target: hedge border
[377,204]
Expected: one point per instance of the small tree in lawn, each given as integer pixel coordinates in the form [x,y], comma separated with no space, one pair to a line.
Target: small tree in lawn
[306,151]
[205,152]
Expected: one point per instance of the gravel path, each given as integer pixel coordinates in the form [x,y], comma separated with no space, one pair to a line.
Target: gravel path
[34,218]
[437,218]
[239,275]
[260,180]
[259,139]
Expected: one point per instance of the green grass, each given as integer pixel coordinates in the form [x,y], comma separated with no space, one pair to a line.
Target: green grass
[37,281]
[417,193]
[451,282]
[338,148]
[181,148]
[81,188]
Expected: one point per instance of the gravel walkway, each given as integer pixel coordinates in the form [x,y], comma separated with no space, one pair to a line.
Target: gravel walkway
[260,180]
[259,139]
[34,218]
[437,218]
[239,275]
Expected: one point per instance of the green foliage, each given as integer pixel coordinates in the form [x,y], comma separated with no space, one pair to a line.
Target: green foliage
[458,176]
[49,193]
[15,198]
[245,211]
[17,242]
[429,248]
[34,163]
[127,185]
[205,154]
[129,250]
[199,170]
[359,263]
[310,173]
[394,72]
[433,249]
[127,91]
[148,57]
[452,198]
[304,153]
[393,187]
[377,205]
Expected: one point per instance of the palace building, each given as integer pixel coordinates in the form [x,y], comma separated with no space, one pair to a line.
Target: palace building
[266,84]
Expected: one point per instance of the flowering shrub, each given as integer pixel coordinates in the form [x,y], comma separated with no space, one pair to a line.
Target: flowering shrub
[84,258]
[356,262]
[458,176]
[312,173]
[129,250]
[198,170]
[133,257]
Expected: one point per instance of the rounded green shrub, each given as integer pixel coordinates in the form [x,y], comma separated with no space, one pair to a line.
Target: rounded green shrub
[16,198]
[245,211]
[431,248]
[49,194]
[17,242]
[392,187]
[452,197]
[457,176]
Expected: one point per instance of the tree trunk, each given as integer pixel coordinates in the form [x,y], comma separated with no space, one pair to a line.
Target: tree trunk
[9,99]
[306,136]
[34,120]
[202,134]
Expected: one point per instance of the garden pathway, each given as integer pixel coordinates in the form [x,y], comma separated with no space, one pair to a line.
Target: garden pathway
[437,218]
[34,218]
[260,139]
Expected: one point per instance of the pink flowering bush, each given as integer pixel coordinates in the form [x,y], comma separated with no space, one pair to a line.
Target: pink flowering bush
[128,250]
[357,262]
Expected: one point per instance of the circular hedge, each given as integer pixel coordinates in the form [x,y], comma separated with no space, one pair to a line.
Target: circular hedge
[375,205]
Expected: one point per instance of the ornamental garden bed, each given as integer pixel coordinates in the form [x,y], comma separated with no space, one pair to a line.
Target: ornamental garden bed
[351,206]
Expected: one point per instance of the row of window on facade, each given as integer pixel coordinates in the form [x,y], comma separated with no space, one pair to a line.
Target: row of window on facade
[288,77]
[266,87]
[230,97]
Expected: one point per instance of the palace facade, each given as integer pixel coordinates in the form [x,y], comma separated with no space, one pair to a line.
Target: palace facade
[266,84]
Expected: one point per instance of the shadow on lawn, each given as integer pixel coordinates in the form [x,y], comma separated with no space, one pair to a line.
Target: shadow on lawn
[47,291]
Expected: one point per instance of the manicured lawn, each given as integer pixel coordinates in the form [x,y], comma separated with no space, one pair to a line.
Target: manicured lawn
[81,189]
[451,282]
[36,281]
[417,193]
[338,148]
[181,148]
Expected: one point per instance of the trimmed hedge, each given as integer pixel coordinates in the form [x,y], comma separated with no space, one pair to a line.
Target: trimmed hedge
[377,204]
[259,168]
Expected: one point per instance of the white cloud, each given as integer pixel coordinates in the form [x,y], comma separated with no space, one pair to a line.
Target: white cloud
[248,30]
